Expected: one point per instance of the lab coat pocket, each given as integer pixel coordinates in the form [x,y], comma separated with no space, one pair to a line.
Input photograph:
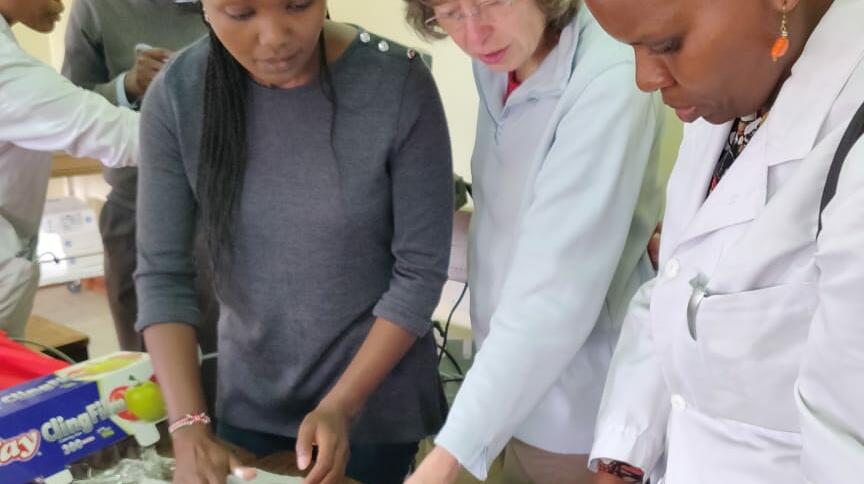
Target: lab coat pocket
[752,343]
[760,325]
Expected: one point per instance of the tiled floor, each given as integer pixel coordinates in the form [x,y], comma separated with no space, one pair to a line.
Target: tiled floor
[86,311]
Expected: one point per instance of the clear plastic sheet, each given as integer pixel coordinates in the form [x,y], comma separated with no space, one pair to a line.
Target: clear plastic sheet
[125,463]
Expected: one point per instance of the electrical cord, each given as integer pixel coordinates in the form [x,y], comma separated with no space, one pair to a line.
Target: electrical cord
[54,351]
[54,259]
[445,333]
[452,361]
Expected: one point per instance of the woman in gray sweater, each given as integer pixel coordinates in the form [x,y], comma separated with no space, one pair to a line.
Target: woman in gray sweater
[316,156]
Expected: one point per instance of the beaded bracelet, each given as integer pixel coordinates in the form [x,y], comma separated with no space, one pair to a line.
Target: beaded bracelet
[189,419]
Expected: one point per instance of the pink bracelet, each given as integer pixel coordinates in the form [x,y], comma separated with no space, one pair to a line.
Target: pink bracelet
[189,419]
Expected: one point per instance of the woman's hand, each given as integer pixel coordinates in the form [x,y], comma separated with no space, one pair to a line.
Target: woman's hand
[201,458]
[439,467]
[654,246]
[326,427]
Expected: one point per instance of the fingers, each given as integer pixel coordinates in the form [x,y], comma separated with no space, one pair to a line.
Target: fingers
[323,465]
[209,463]
[245,473]
[654,245]
[654,252]
[239,470]
[331,460]
[337,473]
[159,55]
[305,439]
[180,478]
[146,70]
[146,64]
[217,471]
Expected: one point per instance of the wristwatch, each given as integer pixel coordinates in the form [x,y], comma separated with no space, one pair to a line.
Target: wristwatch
[621,470]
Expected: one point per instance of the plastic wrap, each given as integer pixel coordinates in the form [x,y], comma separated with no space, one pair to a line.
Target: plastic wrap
[124,465]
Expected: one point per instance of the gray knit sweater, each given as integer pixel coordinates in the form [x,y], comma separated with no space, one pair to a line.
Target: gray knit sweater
[331,233]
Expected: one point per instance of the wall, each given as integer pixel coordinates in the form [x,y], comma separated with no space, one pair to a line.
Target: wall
[33,42]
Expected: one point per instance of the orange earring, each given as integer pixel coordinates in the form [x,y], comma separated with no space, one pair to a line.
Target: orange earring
[781,45]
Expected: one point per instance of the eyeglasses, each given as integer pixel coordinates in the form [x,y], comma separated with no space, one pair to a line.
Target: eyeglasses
[450,17]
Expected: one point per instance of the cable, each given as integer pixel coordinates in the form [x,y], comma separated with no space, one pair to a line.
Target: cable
[56,260]
[446,331]
[54,351]
[52,255]
[452,361]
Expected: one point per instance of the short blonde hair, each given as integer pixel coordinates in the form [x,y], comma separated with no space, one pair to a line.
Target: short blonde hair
[559,13]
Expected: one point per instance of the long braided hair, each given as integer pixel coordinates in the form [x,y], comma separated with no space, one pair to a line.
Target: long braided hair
[224,150]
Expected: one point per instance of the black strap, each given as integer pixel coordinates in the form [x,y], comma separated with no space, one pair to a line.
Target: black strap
[853,133]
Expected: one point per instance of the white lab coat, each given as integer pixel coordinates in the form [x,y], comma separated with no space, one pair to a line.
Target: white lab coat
[557,244]
[710,351]
[41,112]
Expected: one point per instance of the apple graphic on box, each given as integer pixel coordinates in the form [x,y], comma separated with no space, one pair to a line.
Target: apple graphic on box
[119,393]
[144,400]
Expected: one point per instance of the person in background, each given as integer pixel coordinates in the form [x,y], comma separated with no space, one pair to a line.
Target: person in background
[116,48]
[317,157]
[742,361]
[566,199]
[41,112]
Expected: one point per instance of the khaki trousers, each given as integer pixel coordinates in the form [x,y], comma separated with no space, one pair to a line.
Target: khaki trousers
[19,280]
[526,464]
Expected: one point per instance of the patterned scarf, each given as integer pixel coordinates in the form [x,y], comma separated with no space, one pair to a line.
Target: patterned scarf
[742,132]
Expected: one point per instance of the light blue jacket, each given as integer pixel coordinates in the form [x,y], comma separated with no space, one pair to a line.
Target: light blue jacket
[566,198]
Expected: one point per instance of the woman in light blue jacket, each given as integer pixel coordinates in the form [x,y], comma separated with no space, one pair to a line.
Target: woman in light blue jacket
[566,199]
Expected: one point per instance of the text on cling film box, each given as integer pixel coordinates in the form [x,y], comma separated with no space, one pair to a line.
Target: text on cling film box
[51,422]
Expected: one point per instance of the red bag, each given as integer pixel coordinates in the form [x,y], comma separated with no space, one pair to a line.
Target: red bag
[19,364]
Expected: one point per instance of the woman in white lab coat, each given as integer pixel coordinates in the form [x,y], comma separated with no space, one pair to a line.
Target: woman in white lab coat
[750,301]
[565,145]
[41,112]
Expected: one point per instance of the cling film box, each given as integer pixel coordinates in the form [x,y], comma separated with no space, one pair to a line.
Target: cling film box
[54,421]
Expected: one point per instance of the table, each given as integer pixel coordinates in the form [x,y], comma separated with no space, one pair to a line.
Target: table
[63,166]
[285,463]
[71,342]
